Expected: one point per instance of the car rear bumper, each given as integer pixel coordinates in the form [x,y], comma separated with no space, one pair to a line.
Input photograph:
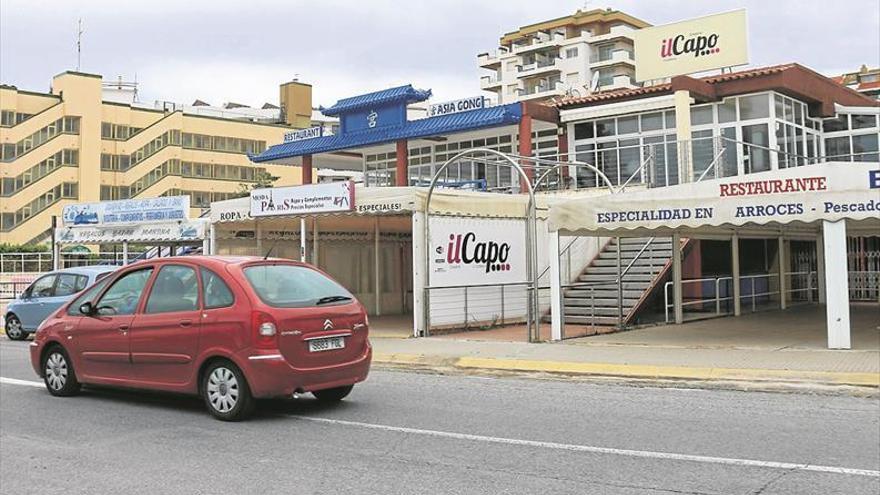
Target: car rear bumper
[270,375]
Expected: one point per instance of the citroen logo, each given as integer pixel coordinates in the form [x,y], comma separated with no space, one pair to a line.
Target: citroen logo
[328,325]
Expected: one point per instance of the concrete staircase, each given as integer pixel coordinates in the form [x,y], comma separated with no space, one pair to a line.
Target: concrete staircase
[643,260]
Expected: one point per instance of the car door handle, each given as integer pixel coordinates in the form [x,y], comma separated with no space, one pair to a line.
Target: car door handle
[186,323]
[123,328]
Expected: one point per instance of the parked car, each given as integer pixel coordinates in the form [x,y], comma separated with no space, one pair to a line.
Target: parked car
[230,329]
[45,295]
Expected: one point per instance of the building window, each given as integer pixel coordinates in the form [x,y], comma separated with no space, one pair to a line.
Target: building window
[863,121]
[756,157]
[727,111]
[571,52]
[864,148]
[754,107]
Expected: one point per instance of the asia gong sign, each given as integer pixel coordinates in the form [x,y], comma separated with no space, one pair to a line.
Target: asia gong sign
[695,45]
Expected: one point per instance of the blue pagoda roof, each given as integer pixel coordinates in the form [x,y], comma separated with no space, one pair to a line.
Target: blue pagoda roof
[401,94]
[433,126]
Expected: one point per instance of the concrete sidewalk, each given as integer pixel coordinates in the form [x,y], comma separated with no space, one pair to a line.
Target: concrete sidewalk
[729,367]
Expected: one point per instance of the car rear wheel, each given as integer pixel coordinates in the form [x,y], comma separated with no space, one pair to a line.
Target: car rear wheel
[333,394]
[58,373]
[226,392]
[14,330]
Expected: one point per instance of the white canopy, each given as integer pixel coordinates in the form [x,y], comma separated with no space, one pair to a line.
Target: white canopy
[792,199]
[184,231]
[403,200]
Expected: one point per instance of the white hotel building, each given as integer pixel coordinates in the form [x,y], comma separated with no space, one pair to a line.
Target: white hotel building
[573,55]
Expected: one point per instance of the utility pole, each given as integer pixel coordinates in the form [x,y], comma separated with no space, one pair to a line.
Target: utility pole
[79,33]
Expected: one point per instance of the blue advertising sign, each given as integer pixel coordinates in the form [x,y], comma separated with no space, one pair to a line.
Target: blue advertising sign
[128,211]
[374,117]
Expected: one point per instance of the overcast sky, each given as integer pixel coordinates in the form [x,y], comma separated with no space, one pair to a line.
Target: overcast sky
[240,51]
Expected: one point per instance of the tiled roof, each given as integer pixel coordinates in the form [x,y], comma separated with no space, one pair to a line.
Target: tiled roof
[868,85]
[432,126]
[629,93]
[406,94]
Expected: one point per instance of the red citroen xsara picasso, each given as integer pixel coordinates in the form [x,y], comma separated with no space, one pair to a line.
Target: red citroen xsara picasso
[230,329]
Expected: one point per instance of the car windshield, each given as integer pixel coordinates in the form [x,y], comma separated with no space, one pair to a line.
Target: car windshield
[291,286]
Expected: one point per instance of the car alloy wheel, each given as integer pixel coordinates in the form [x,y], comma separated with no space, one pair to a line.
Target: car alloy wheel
[56,371]
[13,328]
[223,390]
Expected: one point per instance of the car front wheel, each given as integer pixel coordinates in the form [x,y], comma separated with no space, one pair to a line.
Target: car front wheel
[58,373]
[14,330]
[226,392]
[333,394]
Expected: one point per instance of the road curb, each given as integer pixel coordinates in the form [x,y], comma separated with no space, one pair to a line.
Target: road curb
[631,371]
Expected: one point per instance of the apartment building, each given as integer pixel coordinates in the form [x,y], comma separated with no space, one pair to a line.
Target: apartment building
[575,55]
[83,142]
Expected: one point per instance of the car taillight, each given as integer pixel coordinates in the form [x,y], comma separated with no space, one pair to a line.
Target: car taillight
[264,330]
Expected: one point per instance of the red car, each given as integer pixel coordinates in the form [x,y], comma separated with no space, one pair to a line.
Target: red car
[230,329]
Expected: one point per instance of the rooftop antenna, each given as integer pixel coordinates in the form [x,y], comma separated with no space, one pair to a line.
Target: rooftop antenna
[79,33]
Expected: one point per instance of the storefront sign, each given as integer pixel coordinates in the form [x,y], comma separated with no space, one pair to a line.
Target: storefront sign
[154,232]
[467,251]
[302,134]
[329,197]
[128,211]
[695,45]
[803,194]
[456,106]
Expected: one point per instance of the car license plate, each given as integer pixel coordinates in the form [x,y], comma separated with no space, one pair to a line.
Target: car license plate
[327,344]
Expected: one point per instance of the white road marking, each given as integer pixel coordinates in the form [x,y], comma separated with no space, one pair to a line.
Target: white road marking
[601,450]
[564,446]
[16,381]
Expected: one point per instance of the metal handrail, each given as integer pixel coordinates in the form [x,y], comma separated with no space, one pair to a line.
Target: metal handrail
[650,159]
[712,165]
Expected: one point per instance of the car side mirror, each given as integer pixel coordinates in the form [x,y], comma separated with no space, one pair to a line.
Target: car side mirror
[86,308]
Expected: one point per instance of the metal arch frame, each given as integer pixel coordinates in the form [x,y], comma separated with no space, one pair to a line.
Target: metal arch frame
[531,240]
[558,164]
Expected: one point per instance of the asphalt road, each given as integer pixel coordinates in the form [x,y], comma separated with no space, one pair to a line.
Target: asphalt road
[416,433]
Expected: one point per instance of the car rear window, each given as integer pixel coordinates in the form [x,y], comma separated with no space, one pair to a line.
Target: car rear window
[291,286]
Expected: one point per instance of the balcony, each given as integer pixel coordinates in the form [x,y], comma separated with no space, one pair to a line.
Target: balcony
[608,83]
[490,60]
[541,41]
[490,83]
[544,89]
[538,67]
[617,56]
[616,32]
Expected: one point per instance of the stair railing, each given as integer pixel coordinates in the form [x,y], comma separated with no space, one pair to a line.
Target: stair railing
[649,160]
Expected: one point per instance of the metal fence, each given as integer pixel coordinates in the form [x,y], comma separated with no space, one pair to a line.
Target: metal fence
[478,306]
[43,261]
[757,292]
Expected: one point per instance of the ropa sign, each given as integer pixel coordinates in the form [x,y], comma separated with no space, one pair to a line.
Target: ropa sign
[468,251]
[308,199]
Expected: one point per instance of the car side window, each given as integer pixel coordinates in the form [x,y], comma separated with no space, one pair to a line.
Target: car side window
[176,289]
[89,295]
[43,287]
[215,292]
[81,282]
[122,297]
[69,283]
